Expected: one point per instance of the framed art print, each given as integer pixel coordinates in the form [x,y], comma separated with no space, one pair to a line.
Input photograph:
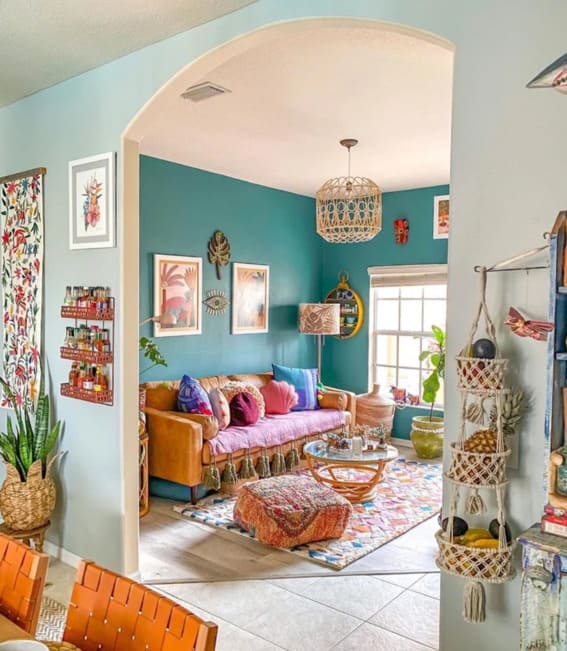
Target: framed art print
[250,298]
[441,217]
[178,295]
[92,202]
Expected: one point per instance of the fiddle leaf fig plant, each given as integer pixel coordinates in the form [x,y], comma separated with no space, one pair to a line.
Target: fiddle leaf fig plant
[24,442]
[436,355]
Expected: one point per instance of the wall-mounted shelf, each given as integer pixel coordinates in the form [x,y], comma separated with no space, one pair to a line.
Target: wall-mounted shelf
[351,307]
[89,347]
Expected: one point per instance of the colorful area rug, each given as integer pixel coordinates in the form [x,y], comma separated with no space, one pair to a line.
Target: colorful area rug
[409,494]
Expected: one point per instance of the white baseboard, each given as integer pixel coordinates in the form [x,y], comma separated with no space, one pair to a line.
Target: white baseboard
[61,554]
[401,443]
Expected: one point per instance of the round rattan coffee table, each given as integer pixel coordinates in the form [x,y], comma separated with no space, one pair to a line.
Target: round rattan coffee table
[355,477]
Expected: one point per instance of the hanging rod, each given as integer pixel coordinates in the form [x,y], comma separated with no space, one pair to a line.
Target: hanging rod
[23,175]
[503,265]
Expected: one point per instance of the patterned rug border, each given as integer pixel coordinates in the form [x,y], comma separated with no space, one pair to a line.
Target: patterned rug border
[368,528]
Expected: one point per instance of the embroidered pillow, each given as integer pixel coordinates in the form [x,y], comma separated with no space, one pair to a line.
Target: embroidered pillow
[304,381]
[221,408]
[279,397]
[192,398]
[230,389]
[244,409]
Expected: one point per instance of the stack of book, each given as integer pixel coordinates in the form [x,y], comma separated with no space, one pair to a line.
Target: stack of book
[554,521]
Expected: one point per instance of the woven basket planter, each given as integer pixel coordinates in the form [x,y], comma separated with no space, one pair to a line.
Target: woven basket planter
[477,468]
[27,504]
[475,374]
[480,563]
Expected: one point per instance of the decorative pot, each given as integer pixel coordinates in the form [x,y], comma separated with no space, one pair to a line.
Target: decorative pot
[427,436]
[142,394]
[373,409]
[27,504]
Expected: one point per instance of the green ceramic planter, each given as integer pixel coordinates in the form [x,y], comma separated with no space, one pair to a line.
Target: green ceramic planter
[427,436]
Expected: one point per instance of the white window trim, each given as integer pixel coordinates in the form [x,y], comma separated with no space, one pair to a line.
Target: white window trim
[401,274]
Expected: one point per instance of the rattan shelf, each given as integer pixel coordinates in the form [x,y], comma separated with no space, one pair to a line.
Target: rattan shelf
[90,356]
[99,397]
[87,313]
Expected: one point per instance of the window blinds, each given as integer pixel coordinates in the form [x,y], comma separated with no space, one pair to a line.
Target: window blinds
[404,275]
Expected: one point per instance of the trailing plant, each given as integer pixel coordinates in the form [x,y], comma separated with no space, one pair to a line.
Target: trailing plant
[436,355]
[149,348]
[24,442]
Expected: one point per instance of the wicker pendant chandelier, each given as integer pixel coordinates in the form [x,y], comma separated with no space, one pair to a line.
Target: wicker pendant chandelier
[349,208]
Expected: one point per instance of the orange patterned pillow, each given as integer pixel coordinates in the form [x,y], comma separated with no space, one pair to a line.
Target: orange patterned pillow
[230,389]
[221,408]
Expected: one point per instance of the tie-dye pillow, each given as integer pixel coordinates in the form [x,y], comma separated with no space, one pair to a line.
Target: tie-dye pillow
[192,398]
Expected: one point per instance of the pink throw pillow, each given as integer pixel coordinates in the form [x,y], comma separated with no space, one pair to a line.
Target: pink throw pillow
[244,410]
[221,408]
[279,397]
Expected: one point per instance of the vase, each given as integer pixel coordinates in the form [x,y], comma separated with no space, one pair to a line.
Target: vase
[27,504]
[373,409]
[427,436]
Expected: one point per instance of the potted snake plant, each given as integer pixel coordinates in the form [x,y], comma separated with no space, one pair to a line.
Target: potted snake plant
[27,496]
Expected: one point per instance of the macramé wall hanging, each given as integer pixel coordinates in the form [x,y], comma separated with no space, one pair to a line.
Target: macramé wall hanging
[21,214]
[478,472]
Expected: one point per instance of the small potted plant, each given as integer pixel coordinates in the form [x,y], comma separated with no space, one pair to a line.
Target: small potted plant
[27,496]
[427,431]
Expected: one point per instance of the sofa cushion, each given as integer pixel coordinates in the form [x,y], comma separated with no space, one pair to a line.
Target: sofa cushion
[291,510]
[243,410]
[221,408]
[304,381]
[232,388]
[275,430]
[279,397]
[192,398]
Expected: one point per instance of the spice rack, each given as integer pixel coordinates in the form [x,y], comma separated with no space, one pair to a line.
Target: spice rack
[91,344]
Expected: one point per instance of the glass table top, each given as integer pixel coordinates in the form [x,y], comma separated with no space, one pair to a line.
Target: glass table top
[319,450]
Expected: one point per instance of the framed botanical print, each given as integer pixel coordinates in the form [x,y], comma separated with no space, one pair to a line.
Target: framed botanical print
[92,201]
[250,298]
[441,217]
[178,295]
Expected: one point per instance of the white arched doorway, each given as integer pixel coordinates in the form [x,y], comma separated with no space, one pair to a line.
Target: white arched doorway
[132,143]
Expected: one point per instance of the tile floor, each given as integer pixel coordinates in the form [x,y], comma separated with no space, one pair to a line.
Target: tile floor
[265,599]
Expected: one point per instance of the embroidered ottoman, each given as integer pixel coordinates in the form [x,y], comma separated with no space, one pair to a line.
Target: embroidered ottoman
[290,510]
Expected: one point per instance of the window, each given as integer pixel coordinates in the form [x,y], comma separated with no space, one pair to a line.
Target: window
[405,303]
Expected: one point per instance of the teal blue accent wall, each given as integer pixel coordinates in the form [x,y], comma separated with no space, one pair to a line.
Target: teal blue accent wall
[345,362]
[180,208]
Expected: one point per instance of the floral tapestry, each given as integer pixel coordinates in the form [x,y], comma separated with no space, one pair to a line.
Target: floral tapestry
[21,213]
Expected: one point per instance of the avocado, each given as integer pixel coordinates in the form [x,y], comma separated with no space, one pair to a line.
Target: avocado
[494,528]
[460,527]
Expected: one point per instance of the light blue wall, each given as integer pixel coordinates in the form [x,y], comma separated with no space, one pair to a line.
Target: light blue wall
[507,184]
[180,208]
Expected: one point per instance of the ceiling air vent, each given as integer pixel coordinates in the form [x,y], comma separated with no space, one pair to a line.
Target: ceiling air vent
[199,92]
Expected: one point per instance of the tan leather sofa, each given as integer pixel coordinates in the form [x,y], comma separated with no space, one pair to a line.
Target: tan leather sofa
[178,449]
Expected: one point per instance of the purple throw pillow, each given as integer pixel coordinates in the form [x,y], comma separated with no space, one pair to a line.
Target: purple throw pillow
[244,410]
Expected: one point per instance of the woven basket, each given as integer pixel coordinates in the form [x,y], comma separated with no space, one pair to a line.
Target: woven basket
[27,504]
[477,468]
[480,375]
[491,565]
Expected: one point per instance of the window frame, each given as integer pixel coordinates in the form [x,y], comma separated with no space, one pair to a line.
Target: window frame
[401,276]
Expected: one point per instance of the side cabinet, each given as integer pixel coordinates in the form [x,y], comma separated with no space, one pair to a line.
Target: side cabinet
[543,619]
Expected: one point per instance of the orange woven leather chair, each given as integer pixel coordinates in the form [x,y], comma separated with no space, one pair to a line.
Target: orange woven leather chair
[113,613]
[22,579]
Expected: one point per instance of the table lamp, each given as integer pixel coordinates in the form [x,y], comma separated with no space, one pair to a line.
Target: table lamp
[319,319]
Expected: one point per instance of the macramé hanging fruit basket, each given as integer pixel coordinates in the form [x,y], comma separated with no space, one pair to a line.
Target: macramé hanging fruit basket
[478,468]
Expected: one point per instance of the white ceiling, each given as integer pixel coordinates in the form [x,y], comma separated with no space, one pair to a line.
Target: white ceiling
[293,98]
[43,42]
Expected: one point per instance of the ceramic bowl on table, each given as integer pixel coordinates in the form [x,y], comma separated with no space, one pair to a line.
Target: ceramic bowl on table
[22,645]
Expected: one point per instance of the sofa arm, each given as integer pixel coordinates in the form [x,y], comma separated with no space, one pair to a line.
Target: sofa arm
[176,445]
[333,400]
[350,400]
[209,424]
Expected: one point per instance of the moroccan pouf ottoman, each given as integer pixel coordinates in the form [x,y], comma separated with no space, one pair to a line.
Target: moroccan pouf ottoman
[291,510]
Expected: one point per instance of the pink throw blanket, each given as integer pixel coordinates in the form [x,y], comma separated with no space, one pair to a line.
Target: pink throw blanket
[276,430]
